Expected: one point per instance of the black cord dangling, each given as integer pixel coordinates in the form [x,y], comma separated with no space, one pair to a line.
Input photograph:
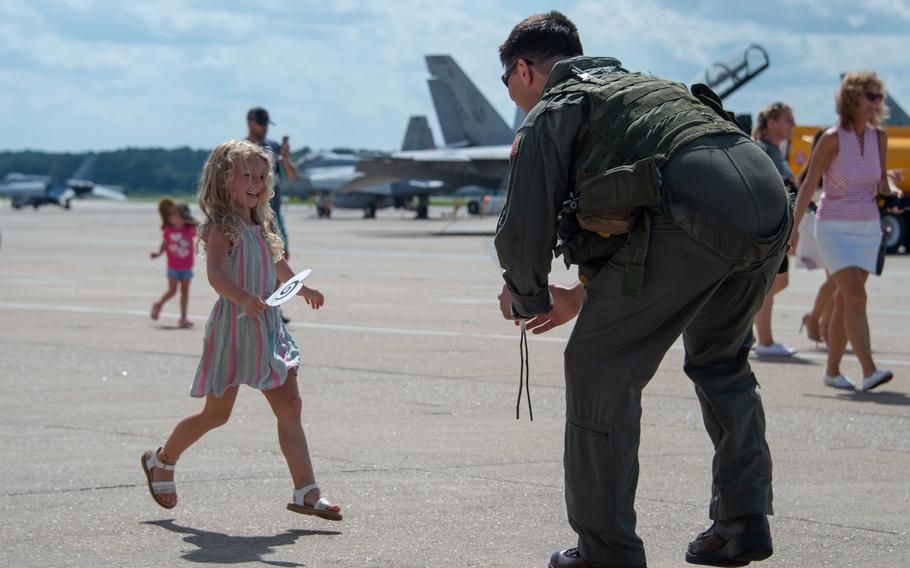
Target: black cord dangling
[524,376]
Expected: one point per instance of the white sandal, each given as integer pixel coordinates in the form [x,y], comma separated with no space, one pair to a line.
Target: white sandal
[150,461]
[319,509]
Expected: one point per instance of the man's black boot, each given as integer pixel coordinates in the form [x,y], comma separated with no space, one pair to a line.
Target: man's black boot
[571,558]
[732,543]
[567,558]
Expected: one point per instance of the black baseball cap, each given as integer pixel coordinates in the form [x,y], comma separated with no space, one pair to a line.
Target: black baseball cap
[260,116]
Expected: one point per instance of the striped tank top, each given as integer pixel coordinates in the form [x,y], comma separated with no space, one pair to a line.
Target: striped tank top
[253,351]
[851,181]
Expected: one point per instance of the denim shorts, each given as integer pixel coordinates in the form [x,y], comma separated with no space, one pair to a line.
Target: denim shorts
[186,274]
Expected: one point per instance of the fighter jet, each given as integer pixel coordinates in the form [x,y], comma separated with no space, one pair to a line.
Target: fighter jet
[323,173]
[477,139]
[37,190]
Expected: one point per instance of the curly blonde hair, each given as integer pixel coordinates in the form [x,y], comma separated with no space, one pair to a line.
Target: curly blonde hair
[216,198]
[852,87]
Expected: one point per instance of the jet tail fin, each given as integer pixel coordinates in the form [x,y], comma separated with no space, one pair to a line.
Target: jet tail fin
[86,168]
[418,135]
[453,132]
[481,123]
[897,116]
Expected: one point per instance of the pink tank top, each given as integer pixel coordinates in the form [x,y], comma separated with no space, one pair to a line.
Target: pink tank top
[851,181]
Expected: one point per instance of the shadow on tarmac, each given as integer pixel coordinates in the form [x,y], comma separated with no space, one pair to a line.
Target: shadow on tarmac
[219,548]
[792,360]
[423,234]
[887,398]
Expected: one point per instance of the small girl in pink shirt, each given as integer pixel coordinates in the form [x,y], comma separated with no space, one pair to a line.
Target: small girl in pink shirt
[179,230]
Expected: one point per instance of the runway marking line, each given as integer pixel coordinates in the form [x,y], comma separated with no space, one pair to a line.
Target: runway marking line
[367,329]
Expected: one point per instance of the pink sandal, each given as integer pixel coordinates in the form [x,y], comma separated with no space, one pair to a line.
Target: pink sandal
[156,309]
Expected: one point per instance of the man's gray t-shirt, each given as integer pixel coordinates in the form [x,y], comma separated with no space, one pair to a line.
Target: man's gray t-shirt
[275,149]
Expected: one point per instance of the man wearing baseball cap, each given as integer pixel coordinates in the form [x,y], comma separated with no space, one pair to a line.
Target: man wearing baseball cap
[258,121]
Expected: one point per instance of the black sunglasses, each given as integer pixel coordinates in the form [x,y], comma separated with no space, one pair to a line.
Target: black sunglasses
[875,97]
[508,73]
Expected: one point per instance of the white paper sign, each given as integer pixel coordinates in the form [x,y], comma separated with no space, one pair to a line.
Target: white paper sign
[289,289]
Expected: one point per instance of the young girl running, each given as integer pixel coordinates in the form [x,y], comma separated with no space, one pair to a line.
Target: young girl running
[244,254]
[178,230]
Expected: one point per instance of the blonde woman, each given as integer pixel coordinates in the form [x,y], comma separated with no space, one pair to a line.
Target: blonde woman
[850,161]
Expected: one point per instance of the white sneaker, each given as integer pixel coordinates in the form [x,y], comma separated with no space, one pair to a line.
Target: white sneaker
[838,382]
[879,377]
[774,350]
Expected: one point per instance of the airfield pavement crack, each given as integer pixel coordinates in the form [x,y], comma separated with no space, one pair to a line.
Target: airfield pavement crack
[440,470]
[50,426]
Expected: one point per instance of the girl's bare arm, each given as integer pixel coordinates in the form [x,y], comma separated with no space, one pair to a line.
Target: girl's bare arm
[160,250]
[283,270]
[216,263]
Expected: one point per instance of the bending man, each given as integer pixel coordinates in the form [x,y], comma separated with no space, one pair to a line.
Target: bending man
[678,223]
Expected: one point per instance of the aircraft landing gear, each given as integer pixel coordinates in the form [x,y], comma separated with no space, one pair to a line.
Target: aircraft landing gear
[423,208]
[369,211]
[324,206]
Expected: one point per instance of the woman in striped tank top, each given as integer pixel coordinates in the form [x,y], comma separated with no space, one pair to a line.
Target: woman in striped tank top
[849,159]
[246,342]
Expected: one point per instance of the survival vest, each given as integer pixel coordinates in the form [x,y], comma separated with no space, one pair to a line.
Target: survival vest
[635,123]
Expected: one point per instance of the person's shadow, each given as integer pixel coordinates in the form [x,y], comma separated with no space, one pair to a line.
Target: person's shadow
[883,397]
[218,548]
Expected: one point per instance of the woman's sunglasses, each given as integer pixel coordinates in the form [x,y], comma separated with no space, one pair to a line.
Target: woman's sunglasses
[875,97]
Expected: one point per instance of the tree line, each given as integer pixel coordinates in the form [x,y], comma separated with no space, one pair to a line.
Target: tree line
[137,170]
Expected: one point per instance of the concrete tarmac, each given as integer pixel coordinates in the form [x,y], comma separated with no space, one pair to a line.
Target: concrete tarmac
[409,381]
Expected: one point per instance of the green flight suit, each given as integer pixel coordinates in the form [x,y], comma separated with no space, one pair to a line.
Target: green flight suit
[716,242]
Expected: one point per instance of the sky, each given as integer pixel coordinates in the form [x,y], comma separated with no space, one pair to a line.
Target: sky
[98,75]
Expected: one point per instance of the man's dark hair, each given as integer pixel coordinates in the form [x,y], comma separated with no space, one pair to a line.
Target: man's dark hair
[540,38]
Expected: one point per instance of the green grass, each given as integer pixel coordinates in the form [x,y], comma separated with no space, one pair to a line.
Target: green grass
[154,197]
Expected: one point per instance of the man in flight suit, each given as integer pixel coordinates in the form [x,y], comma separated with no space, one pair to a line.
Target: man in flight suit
[678,223]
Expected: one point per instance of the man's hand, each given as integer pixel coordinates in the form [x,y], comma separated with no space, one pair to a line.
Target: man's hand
[285,151]
[566,304]
[505,302]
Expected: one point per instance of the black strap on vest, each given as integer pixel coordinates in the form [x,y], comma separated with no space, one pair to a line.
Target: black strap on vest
[639,239]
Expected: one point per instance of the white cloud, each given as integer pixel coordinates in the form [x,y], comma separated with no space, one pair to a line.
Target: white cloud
[805,68]
[174,72]
[856,21]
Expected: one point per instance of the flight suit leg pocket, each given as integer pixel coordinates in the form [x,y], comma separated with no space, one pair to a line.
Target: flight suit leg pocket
[590,478]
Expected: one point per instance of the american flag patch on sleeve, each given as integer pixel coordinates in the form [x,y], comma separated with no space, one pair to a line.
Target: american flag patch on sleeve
[515,145]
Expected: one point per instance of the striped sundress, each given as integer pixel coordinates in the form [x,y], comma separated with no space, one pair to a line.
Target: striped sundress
[847,225]
[252,351]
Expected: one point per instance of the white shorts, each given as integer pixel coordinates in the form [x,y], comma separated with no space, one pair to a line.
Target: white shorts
[849,243]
